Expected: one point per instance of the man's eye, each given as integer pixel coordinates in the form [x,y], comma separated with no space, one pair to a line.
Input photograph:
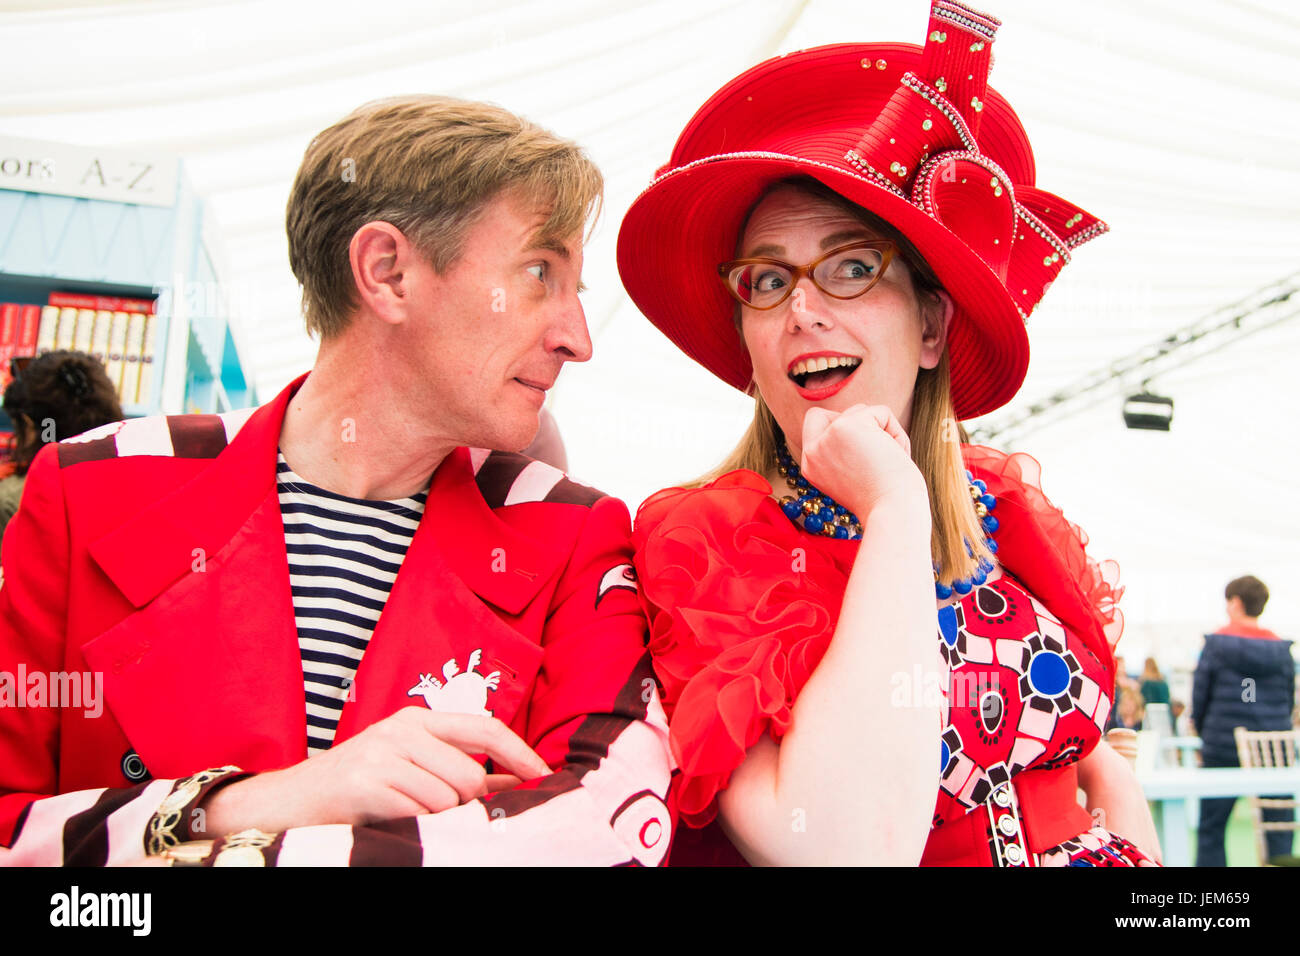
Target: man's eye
[539,271]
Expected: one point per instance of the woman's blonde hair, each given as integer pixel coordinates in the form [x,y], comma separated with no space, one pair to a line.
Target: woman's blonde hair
[956,536]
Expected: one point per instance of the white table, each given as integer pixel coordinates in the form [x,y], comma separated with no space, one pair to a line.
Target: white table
[1169,789]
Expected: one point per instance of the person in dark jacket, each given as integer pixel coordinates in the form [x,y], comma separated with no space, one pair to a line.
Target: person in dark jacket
[1245,678]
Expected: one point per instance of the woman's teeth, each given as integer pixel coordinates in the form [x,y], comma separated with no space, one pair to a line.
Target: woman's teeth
[818,372]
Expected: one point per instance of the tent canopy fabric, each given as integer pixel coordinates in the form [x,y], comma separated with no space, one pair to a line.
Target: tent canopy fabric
[1174,122]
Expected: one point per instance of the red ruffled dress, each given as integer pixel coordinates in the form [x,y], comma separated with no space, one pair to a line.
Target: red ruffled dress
[737,627]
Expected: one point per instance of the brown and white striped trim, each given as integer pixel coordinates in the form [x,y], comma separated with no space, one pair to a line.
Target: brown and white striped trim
[160,436]
[508,478]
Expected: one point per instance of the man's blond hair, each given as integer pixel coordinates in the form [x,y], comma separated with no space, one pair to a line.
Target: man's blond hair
[427,165]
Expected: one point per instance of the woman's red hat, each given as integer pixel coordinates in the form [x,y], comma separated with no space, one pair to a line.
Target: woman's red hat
[914,135]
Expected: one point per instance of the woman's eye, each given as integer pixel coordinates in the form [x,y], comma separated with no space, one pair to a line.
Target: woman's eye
[856,269]
[769,282]
[538,271]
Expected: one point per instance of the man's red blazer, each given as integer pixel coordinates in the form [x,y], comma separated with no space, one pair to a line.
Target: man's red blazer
[150,555]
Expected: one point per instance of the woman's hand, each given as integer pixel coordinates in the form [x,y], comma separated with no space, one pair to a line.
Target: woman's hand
[859,457]
[1115,799]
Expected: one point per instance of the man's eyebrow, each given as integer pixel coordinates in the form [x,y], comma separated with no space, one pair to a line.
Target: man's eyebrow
[551,244]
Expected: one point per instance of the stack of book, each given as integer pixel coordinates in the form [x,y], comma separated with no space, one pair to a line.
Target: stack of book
[18,334]
[119,332]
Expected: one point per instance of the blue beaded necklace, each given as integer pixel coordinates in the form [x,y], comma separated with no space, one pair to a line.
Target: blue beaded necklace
[818,513]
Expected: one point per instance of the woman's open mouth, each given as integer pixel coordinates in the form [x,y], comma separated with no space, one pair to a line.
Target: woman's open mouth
[821,376]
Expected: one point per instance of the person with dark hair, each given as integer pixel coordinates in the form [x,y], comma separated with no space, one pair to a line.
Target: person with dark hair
[1250,595]
[1245,678]
[55,396]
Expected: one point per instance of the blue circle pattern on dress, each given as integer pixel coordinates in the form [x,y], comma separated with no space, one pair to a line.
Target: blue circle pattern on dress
[1049,674]
[948,625]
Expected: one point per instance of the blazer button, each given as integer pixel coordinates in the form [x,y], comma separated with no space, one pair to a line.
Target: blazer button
[133,767]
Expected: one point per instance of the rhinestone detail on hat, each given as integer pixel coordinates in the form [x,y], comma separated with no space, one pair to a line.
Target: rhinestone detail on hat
[1092,232]
[749,154]
[931,96]
[957,13]
[853,158]
[1037,225]
[921,193]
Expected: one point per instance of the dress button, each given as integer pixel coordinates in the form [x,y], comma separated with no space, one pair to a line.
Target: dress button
[1002,797]
[1008,826]
[1014,854]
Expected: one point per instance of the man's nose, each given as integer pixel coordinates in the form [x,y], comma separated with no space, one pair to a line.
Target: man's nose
[569,335]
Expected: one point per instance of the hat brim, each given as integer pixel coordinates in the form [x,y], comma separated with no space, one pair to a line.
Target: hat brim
[689,220]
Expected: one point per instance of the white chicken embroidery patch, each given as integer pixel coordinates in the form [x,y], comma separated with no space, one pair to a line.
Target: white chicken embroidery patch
[459,692]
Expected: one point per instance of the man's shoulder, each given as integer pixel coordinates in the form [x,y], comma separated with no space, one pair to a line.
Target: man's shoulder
[155,436]
[1247,651]
[506,478]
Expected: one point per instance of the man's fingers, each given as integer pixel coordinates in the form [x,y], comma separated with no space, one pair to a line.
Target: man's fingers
[408,784]
[501,781]
[487,735]
[449,764]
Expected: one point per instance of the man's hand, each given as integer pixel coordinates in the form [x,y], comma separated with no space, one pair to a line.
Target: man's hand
[415,761]
[859,456]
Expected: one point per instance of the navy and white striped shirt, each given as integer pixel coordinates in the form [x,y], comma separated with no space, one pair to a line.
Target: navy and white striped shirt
[344,555]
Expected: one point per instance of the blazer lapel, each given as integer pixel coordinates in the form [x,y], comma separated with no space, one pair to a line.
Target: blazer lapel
[439,618]
[208,668]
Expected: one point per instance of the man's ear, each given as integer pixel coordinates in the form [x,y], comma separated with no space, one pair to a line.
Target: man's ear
[380,256]
[936,316]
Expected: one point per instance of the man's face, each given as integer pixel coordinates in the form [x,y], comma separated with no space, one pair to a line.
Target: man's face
[488,337]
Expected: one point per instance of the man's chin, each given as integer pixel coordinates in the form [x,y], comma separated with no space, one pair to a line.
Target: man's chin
[515,439]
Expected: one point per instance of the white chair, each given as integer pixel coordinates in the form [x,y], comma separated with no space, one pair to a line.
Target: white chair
[1270,748]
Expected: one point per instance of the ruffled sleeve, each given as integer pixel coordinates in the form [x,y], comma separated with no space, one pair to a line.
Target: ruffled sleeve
[742,606]
[1042,548]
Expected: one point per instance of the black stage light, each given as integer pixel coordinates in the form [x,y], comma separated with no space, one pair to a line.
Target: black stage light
[1147,411]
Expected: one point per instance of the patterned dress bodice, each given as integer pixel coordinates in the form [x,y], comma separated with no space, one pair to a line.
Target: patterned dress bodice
[1023,693]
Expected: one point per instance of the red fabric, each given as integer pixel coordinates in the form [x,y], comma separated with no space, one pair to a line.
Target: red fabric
[913,135]
[1042,548]
[736,628]
[200,661]
[1246,630]
[732,649]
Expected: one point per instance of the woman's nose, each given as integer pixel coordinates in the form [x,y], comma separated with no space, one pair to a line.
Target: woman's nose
[807,307]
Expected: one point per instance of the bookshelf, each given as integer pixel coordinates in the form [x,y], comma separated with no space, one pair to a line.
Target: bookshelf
[127,225]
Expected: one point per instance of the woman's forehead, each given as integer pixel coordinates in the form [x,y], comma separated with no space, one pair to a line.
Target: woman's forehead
[789,210]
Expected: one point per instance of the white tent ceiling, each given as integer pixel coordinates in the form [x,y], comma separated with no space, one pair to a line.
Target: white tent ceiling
[1177,122]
